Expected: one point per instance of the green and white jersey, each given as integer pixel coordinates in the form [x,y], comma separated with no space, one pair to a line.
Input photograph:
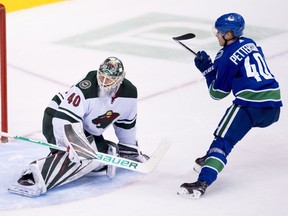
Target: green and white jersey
[84,103]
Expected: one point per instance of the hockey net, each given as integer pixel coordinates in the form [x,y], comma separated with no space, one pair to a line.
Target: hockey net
[3,71]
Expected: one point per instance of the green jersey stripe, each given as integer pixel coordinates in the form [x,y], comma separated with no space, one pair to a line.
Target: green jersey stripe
[260,96]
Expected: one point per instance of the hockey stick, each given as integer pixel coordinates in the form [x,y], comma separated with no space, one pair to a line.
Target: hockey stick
[146,167]
[186,37]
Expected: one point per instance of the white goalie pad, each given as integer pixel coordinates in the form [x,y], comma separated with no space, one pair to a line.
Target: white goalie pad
[79,146]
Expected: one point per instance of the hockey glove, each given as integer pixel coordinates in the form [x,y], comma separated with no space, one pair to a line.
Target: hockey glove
[132,152]
[203,63]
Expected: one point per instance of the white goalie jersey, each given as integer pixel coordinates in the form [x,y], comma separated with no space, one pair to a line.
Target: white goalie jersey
[85,103]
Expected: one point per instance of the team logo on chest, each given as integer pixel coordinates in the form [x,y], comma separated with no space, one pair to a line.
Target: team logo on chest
[106,119]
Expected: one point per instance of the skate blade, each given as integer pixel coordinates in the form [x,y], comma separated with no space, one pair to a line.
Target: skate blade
[197,168]
[183,192]
[24,192]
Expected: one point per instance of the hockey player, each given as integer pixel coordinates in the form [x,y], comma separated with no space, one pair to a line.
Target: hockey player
[239,67]
[101,99]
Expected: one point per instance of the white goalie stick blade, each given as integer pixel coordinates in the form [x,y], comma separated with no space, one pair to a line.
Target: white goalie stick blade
[183,192]
[155,158]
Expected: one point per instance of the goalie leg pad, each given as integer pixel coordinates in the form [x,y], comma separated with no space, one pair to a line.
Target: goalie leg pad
[50,172]
[78,143]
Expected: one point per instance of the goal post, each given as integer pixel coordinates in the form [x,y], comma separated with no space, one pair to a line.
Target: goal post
[3,71]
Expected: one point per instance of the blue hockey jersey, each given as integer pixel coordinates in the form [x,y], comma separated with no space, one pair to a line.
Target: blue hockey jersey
[241,68]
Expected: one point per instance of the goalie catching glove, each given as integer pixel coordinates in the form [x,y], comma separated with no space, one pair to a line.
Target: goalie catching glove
[132,152]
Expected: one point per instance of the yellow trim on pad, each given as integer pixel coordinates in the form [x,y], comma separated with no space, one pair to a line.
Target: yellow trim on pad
[14,5]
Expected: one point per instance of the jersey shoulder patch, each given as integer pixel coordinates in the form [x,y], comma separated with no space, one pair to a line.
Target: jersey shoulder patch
[88,85]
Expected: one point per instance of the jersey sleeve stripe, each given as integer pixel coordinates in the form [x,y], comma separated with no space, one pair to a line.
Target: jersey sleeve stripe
[67,115]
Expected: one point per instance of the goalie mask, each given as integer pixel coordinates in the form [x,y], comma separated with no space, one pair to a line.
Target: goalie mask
[110,74]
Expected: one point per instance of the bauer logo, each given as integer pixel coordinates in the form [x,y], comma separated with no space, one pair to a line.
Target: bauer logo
[119,161]
[150,35]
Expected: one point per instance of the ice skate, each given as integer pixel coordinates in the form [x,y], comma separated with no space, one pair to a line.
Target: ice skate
[199,163]
[193,190]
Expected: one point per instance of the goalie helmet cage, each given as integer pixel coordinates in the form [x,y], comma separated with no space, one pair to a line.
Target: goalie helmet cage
[3,71]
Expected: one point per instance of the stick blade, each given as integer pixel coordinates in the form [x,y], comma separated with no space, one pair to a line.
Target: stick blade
[185,36]
[155,158]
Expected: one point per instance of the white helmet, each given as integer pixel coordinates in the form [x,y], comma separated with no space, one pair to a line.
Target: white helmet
[110,74]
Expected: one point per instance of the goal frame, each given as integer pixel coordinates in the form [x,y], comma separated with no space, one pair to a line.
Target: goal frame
[3,71]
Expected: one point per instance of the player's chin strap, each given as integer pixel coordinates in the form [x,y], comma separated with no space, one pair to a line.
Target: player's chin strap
[84,151]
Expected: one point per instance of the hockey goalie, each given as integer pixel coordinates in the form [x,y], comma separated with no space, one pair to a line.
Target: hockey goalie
[77,120]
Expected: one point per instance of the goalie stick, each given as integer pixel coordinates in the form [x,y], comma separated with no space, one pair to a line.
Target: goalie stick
[187,36]
[146,167]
